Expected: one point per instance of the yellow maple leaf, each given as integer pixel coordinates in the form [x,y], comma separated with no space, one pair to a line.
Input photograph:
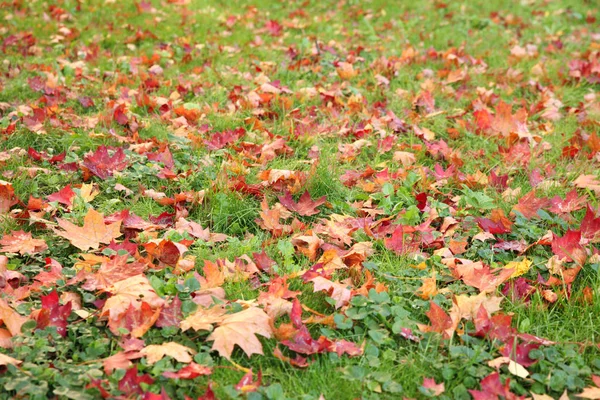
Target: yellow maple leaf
[156,352]
[519,267]
[203,319]
[89,191]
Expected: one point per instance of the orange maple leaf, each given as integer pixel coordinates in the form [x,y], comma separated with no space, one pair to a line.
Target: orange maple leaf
[91,234]
[130,291]
[241,328]
[22,242]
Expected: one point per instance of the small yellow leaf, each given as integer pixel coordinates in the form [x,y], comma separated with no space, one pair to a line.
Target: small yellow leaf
[520,267]
[89,191]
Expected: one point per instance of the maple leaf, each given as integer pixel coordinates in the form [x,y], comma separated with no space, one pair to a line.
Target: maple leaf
[137,320]
[130,383]
[480,276]
[7,197]
[170,315]
[588,182]
[402,240]
[308,245]
[64,196]
[247,385]
[492,388]
[571,202]
[590,226]
[337,291]
[519,267]
[440,321]
[92,234]
[190,371]
[305,206]
[529,205]
[23,243]
[431,388]
[120,360]
[203,319]
[241,329]
[6,360]
[11,319]
[130,291]
[114,270]
[569,247]
[102,164]
[53,314]
[156,352]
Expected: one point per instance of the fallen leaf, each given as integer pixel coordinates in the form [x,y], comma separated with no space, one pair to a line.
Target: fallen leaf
[241,329]
[93,233]
[156,352]
[23,243]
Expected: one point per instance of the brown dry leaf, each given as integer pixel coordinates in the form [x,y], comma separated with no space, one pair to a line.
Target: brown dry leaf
[241,328]
[91,234]
[130,291]
[203,319]
[23,243]
[6,360]
[11,319]
[156,352]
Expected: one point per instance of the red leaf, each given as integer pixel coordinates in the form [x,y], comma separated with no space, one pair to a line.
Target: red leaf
[130,383]
[492,389]
[64,196]
[53,314]
[190,371]
[569,247]
[440,321]
[246,384]
[305,206]
[402,240]
[170,315]
[102,164]
[571,202]
[590,226]
[529,205]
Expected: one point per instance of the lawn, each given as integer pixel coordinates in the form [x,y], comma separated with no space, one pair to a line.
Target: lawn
[299,200]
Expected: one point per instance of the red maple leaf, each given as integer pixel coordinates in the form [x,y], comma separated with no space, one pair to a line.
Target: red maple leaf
[64,196]
[493,389]
[569,247]
[223,139]
[53,314]
[571,202]
[529,205]
[130,383]
[305,206]
[403,240]
[102,164]
[440,321]
[590,226]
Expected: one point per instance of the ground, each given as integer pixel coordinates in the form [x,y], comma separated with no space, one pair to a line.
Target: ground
[288,200]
